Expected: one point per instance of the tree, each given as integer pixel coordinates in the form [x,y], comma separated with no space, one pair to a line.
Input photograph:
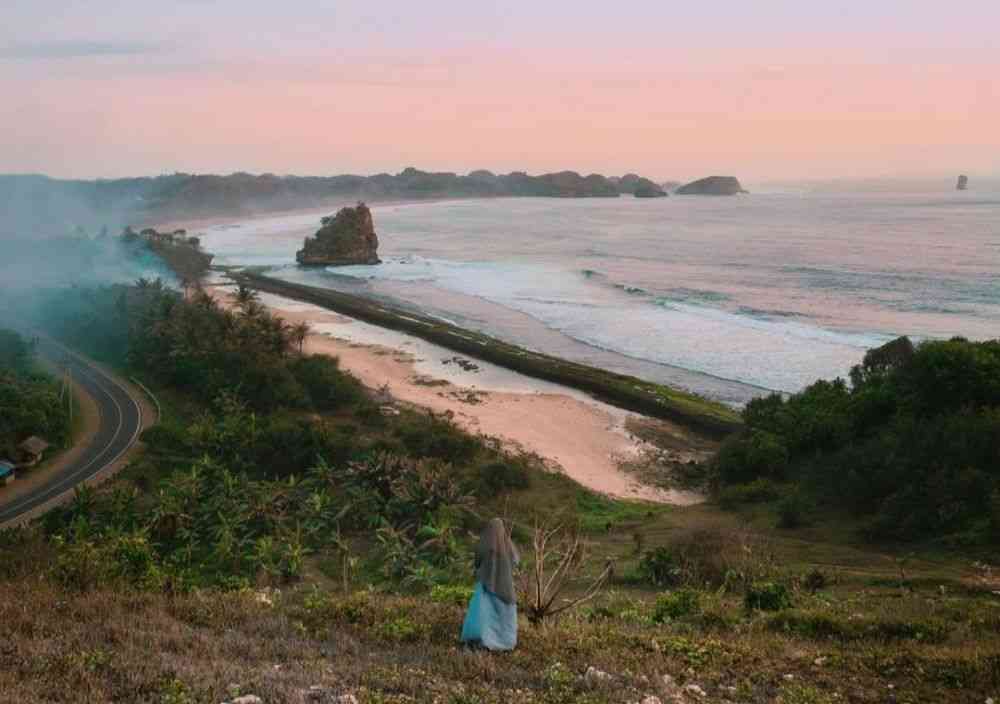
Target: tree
[299,332]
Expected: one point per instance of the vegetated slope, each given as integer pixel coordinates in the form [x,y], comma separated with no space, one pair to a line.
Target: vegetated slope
[30,402]
[283,532]
[912,444]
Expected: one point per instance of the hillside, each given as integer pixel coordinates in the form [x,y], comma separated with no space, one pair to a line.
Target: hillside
[52,206]
[288,535]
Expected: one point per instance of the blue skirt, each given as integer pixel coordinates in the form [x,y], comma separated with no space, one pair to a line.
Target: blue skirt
[490,622]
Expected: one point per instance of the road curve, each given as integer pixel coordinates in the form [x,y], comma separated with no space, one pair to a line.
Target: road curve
[120,424]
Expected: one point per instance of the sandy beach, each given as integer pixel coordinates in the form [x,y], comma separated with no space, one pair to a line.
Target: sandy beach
[574,434]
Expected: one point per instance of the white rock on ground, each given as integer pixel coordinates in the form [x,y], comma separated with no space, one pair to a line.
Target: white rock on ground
[695,689]
[593,676]
[247,699]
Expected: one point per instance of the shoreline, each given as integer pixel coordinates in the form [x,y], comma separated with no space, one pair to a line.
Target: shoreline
[700,415]
[574,434]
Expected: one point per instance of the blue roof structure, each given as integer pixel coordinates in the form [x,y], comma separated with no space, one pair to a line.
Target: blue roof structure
[6,469]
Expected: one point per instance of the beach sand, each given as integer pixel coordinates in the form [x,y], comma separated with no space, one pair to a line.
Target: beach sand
[574,434]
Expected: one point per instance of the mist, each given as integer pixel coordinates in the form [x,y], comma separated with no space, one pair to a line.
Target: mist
[56,235]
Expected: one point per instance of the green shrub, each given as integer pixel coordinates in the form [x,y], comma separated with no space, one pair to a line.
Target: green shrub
[752,454]
[401,629]
[438,438]
[84,563]
[794,511]
[451,594]
[659,568]
[358,608]
[497,478]
[617,608]
[676,604]
[766,596]
[758,491]
[167,437]
[327,387]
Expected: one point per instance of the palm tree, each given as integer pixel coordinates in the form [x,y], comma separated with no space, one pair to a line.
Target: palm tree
[245,295]
[299,332]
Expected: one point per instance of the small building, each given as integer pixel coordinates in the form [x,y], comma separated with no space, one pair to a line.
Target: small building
[7,474]
[32,450]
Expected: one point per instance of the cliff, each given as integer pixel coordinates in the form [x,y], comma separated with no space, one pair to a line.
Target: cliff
[345,238]
[712,186]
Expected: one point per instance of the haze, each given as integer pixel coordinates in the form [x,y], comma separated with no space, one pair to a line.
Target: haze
[767,90]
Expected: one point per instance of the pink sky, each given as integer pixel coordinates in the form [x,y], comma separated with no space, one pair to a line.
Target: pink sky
[794,96]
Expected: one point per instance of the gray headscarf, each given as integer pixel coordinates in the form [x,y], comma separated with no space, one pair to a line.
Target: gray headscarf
[496,557]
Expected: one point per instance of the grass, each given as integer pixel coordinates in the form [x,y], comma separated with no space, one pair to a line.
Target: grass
[933,637]
[132,647]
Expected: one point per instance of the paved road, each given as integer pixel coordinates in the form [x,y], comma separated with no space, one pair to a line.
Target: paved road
[120,424]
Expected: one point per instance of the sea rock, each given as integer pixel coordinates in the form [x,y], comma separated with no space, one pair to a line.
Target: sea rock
[638,186]
[712,186]
[963,182]
[345,238]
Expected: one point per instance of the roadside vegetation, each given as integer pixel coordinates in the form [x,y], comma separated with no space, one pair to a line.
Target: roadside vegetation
[285,534]
[30,400]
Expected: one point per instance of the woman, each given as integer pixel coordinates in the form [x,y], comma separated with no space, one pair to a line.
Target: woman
[491,622]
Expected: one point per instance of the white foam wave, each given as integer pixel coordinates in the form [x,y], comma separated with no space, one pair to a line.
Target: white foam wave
[779,354]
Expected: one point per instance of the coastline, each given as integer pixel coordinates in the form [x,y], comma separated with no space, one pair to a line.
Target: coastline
[574,434]
[704,417]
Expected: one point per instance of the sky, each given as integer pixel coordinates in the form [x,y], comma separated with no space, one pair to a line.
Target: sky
[765,90]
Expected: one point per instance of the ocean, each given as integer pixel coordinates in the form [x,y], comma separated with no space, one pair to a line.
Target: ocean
[728,297]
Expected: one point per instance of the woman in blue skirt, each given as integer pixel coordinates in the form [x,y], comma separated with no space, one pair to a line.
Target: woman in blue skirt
[491,622]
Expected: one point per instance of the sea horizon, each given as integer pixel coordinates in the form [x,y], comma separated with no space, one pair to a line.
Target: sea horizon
[726,297]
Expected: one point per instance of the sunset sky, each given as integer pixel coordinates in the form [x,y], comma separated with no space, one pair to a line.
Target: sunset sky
[770,89]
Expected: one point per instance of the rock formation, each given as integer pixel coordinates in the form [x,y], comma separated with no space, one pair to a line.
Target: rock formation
[963,182]
[345,238]
[712,186]
[638,186]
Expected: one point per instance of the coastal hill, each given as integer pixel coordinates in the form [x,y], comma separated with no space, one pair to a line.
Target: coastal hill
[48,203]
[712,186]
[345,238]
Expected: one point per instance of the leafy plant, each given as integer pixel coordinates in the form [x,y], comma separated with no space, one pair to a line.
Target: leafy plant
[676,604]
[766,596]
[659,567]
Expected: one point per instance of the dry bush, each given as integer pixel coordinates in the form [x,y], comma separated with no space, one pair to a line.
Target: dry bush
[717,557]
[558,556]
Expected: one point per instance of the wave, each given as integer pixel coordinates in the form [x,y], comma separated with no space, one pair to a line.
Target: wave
[767,314]
[686,328]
